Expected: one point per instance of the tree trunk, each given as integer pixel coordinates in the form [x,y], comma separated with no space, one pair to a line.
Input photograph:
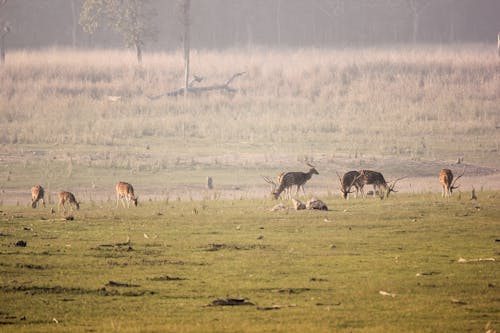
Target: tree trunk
[74,23]
[2,49]
[139,53]
[186,9]
[415,27]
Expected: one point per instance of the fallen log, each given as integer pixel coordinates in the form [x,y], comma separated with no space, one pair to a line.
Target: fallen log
[191,89]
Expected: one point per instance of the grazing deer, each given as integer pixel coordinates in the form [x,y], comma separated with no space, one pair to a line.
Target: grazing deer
[348,180]
[369,177]
[447,182]
[37,194]
[289,179]
[125,191]
[69,198]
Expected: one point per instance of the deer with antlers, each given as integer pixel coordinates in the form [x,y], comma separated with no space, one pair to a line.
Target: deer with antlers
[348,180]
[125,191]
[369,177]
[297,178]
[447,182]
[68,197]
[37,194]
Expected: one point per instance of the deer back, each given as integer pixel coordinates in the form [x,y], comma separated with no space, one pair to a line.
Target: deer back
[37,193]
[125,189]
[369,177]
[446,177]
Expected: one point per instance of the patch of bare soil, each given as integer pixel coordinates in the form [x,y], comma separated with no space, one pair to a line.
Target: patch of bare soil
[421,176]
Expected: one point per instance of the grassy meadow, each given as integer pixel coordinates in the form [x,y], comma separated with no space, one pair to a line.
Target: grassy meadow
[82,120]
[364,266]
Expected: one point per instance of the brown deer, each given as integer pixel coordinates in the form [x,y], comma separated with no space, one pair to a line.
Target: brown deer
[369,177]
[447,182]
[348,180]
[69,198]
[37,194]
[125,191]
[290,179]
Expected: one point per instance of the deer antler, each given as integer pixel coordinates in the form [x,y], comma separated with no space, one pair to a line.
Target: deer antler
[268,180]
[394,183]
[309,164]
[452,186]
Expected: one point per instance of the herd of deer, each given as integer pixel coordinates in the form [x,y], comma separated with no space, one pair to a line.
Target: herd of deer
[124,192]
[285,183]
[354,179]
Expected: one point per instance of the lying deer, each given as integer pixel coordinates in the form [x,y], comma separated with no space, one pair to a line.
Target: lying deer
[37,194]
[447,182]
[125,191]
[69,198]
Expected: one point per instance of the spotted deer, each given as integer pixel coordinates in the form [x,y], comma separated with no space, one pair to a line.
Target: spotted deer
[290,179]
[125,191]
[369,177]
[69,198]
[447,182]
[348,180]
[37,194]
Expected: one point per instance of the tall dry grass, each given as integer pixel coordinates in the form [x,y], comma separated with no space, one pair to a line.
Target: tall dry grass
[430,102]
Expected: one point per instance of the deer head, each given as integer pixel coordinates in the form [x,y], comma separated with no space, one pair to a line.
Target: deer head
[390,188]
[273,184]
[313,169]
[346,189]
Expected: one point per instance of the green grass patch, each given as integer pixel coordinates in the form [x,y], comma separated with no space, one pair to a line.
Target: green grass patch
[159,267]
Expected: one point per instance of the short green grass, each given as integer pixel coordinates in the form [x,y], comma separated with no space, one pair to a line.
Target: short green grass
[303,270]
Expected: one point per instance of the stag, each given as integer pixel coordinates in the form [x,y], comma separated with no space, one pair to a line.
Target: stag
[37,194]
[68,197]
[125,191]
[369,177]
[350,179]
[447,182]
[290,179]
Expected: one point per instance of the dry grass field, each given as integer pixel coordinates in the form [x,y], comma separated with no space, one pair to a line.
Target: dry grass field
[340,109]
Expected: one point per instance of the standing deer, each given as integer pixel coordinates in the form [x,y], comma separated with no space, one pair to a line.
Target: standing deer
[37,194]
[447,182]
[69,198]
[289,179]
[125,191]
[348,180]
[369,177]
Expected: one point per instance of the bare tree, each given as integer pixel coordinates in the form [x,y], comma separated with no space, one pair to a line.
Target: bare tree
[74,23]
[417,7]
[186,22]
[5,29]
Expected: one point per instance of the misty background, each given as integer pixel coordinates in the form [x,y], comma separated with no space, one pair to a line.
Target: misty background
[217,24]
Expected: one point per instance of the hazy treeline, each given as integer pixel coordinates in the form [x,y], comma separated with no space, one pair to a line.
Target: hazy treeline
[288,23]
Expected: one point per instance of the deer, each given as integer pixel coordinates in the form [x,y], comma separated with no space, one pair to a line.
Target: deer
[348,180]
[447,182]
[125,191]
[289,179]
[68,197]
[37,194]
[369,177]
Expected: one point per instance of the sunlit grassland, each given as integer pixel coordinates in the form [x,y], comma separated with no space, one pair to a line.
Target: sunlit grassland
[321,271]
[427,103]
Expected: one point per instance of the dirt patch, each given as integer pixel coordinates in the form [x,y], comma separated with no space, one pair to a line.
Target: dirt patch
[421,177]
